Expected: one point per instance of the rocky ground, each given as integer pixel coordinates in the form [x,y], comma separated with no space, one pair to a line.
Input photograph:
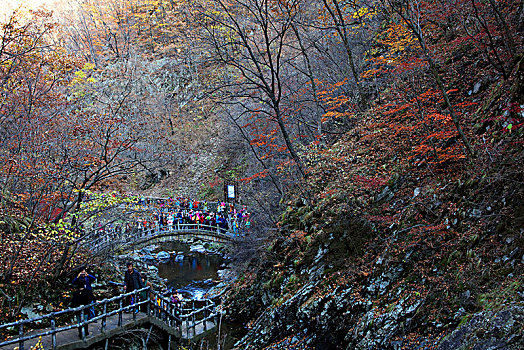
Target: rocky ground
[448,276]
[316,307]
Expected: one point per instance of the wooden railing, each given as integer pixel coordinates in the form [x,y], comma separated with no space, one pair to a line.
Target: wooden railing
[195,316]
[111,240]
[158,307]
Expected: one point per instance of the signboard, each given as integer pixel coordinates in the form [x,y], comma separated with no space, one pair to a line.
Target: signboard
[231,191]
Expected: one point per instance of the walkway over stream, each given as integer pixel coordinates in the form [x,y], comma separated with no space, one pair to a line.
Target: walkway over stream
[185,320]
[180,321]
[177,232]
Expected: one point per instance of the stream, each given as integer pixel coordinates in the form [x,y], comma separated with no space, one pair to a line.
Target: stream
[193,276]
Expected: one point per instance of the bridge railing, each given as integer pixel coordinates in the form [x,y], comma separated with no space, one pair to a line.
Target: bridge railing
[165,311]
[193,316]
[109,240]
[162,309]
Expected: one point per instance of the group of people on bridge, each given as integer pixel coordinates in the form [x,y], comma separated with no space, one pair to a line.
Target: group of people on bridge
[170,214]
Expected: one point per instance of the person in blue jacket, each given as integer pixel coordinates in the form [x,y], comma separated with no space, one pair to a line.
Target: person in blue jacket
[84,278]
[83,296]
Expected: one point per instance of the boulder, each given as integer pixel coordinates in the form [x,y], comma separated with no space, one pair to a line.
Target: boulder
[489,330]
[163,255]
[148,257]
[198,248]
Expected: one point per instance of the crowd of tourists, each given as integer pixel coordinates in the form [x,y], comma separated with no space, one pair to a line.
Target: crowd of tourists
[157,215]
[181,213]
[172,214]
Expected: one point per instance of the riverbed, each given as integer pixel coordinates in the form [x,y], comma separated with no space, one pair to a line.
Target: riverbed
[192,275]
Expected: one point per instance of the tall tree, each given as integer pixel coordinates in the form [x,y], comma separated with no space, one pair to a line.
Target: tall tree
[411,12]
[248,38]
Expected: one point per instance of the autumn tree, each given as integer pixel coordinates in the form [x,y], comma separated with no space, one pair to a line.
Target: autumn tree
[34,75]
[345,17]
[253,49]
[413,16]
[68,128]
[317,62]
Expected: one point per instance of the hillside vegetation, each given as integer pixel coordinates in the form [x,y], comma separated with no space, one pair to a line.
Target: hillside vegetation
[405,233]
[378,143]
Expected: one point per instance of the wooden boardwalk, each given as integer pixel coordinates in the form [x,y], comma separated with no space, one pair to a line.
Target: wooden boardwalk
[70,340]
[182,321]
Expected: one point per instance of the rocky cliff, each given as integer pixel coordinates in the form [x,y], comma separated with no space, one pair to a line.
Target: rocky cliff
[449,275]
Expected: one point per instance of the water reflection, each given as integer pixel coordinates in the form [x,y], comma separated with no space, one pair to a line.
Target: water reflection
[193,274]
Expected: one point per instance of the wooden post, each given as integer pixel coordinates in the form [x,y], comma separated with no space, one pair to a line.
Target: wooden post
[148,305]
[205,317]
[162,309]
[170,315]
[167,307]
[53,335]
[104,318]
[120,313]
[169,342]
[133,310]
[21,335]
[193,313]
[174,310]
[187,326]
[82,330]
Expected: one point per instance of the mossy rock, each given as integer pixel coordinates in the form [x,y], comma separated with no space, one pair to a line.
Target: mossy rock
[503,272]
[308,217]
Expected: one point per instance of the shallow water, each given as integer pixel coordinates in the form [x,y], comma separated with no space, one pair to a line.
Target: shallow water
[193,276]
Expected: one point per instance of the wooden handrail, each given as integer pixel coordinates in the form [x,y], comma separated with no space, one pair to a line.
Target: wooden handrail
[165,312]
[53,315]
[100,243]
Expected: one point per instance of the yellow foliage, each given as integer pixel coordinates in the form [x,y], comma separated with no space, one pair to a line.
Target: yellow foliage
[397,38]
[39,345]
